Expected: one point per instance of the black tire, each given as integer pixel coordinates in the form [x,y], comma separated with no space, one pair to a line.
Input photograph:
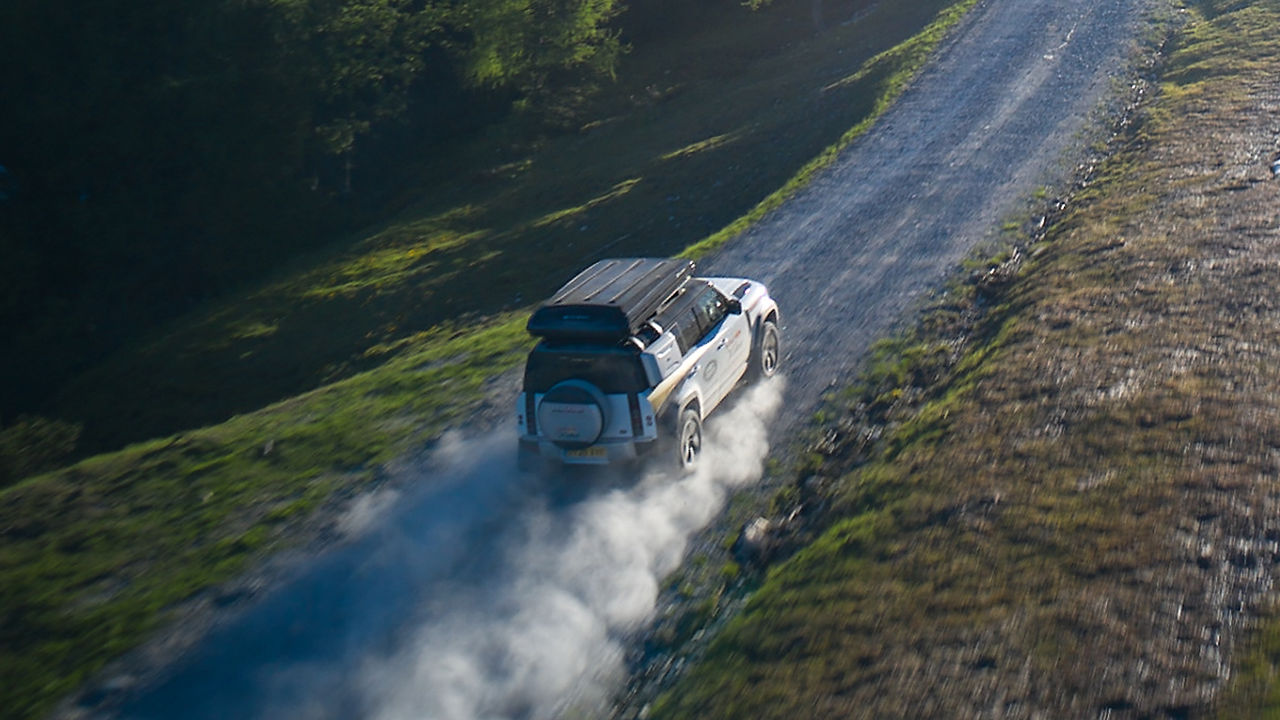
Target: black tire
[688,441]
[766,355]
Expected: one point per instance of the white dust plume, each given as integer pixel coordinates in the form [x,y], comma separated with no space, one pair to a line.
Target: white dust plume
[543,637]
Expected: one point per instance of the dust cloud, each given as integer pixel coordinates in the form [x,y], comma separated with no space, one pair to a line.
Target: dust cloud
[544,635]
[470,591]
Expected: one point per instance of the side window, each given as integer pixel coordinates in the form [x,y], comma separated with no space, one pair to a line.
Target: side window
[687,331]
[696,314]
[709,309]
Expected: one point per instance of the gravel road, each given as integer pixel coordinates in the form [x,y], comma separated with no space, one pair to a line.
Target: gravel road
[1000,112]
[512,606]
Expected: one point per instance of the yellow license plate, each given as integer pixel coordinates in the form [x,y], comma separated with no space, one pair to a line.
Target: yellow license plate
[591,452]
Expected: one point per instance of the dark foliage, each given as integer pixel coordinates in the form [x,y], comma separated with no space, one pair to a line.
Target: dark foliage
[156,155]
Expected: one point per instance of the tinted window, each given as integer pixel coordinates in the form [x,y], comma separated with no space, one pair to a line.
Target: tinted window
[611,370]
[691,316]
[687,331]
[709,309]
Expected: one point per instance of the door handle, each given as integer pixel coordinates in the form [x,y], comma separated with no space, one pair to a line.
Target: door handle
[722,344]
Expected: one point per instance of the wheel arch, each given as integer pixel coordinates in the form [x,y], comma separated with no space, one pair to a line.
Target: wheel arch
[694,403]
[770,315]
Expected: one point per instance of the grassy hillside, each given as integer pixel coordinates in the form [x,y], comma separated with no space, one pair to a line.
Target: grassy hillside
[1070,509]
[401,332]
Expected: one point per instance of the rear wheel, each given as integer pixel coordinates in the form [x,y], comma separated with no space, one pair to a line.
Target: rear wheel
[689,446]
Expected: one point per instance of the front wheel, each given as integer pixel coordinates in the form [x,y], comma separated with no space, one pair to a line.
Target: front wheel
[690,443]
[767,353]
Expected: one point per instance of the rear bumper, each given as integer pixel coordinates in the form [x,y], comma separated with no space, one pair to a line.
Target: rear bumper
[603,453]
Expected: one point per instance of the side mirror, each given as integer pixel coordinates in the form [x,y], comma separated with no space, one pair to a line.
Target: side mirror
[734,306]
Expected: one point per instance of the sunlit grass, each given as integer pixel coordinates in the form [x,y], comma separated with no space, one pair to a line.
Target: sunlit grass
[253,329]
[710,143]
[614,193]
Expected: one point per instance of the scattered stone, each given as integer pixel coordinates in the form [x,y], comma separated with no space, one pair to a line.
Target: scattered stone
[756,540]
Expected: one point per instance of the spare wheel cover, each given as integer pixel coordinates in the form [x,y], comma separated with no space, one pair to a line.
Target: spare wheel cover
[572,414]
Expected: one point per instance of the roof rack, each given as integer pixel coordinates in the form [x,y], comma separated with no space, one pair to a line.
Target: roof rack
[611,300]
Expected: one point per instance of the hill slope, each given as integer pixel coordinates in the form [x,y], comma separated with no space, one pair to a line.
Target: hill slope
[1076,516]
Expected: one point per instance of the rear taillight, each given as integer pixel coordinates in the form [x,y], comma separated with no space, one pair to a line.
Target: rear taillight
[633,402]
[530,414]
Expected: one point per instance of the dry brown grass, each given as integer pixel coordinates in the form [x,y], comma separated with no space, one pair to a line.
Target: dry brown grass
[1082,517]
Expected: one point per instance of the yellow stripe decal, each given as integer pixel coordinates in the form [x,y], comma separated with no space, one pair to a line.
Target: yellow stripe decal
[660,394]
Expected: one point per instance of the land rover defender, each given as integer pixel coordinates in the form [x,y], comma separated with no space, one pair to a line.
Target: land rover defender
[634,354]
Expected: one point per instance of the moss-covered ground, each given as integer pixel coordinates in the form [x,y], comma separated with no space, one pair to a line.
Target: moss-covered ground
[1059,496]
[362,354]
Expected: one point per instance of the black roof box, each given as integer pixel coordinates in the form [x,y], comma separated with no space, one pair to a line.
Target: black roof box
[611,300]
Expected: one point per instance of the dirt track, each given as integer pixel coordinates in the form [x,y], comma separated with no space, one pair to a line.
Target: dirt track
[1002,110]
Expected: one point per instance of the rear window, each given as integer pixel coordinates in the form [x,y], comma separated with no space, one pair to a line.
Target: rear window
[613,370]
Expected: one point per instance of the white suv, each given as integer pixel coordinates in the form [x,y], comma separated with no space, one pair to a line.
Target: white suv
[634,354]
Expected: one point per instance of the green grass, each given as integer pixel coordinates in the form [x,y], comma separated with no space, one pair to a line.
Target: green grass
[94,555]
[355,356]
[1254,692]
[1013,540]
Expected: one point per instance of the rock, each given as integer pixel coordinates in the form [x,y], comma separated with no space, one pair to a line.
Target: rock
[755,541]
[757,531]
